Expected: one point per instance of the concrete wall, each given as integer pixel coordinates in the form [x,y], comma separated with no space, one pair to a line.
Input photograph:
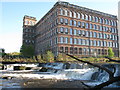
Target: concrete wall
[119,25]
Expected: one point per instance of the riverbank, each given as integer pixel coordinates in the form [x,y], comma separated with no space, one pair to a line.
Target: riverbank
[52,83]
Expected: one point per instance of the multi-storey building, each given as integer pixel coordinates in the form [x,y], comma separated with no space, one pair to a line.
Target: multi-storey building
[76,30]
[28,30]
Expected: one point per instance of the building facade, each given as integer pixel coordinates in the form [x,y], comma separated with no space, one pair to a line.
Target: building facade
[119,25]
[28,30]
[76,30]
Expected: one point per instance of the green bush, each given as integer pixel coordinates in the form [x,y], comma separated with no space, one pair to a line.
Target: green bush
[110,53]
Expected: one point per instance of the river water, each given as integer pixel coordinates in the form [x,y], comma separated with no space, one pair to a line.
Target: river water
[59,75]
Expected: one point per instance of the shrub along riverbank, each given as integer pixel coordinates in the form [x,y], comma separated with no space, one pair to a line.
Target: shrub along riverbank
[62,59]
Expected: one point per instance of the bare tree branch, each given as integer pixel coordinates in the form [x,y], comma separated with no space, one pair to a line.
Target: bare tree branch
[111,80]
[111,60]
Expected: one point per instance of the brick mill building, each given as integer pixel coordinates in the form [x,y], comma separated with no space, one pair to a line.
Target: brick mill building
[72,29]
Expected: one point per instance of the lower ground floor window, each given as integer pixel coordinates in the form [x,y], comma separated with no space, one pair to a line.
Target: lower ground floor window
[86,51]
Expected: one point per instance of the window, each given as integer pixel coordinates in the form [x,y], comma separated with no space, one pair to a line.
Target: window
[91,43]
[71,22]
[61,11]
[83,41]
[75,41]
[75,50]
[65,12]
[90,34]
[71,31]
[66,30]
[27,22]
[84,51]
[86,17]
[90,18]
[70,13]
[61,39]
[71,50]
[78,14]
[113,44]
[115,23]
[80,41]
[61,49]
[99,50]
[31,23]
[105,36]
[104,28]
[74,14]
[82,16]
[66,40]
[87,34]
[98,43]
[87,25]
[74,23]
[100,35]
[66,21]
[93,18]
[90,26]
[106,21]
[100,28]
[61,30]
[83,33]
[71,41]
[75,32]
[79,32]
[116,45]
[95,35]
[87,42]
[96,19]
[61,20]
[105,43]
[66,49]
[83,25]
[95,43]
[95,27]
[79,24]
[80,50]
[101,21]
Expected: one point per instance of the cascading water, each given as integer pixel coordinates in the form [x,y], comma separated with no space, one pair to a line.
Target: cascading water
[79,71]
[73,71]
[102,76]
[83,71]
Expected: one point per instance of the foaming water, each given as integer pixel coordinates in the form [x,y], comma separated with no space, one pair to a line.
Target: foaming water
[64,71]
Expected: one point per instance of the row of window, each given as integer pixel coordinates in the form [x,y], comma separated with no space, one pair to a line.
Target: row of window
[80,15]
[28,35]
[77,41]
[27,22]
[87,25]
[83,51]
[28,41]
[87,33]
[28,30]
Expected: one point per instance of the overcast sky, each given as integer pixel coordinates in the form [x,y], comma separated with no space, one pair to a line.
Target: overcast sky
[13,11]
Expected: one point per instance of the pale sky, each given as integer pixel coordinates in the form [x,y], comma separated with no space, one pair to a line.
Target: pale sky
[13,11]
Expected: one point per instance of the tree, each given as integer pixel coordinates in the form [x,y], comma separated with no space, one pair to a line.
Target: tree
[110,53]
[27,50]
[49,56]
